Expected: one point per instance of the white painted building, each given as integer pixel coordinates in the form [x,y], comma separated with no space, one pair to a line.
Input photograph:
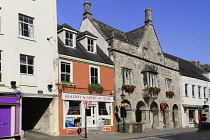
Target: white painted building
[194,95]
[194,92]
[28,47]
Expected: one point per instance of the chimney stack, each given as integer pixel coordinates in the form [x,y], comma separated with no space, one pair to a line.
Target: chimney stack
[87,13]
[148,17]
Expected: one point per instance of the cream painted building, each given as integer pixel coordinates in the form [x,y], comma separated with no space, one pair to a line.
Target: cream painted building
[28,51]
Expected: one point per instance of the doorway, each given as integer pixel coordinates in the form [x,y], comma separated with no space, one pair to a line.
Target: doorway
[5,120]
[91,116]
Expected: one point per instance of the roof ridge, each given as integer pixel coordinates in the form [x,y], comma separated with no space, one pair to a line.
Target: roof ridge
[135,29]
[108,25]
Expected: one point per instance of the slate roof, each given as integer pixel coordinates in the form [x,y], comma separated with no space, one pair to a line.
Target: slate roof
[132,37]
[65,26]
[81,52]
[188,69]
[80,34]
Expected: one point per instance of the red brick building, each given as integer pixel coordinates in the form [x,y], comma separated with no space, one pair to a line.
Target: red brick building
[86,77]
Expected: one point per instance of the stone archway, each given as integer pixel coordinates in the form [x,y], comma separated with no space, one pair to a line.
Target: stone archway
[154,115]
[175,116]
[140,111]
[123,111]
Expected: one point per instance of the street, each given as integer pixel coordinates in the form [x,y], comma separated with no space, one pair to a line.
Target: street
[205,135]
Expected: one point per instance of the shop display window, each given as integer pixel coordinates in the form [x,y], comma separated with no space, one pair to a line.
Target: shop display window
[72,114]
[104,111]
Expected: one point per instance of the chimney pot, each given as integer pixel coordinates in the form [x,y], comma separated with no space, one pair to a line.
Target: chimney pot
[148,17]
[87,13]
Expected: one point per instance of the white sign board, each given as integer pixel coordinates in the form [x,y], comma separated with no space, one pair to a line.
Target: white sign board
[88,97]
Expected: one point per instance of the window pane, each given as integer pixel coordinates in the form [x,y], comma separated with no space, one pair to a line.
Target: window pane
[30,70]
[92,72]
[30,60]
[63,77]
[20,17]
[63,67]
[23,69]
[68,68]
[68,78]
[74,108]
[23,59]
[102,108]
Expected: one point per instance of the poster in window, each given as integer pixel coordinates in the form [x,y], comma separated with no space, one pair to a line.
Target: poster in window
[69,122]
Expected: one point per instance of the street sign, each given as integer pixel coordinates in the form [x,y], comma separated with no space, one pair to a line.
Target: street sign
[87,105]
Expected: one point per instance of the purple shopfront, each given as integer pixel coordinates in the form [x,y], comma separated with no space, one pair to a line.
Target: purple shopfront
[10,114]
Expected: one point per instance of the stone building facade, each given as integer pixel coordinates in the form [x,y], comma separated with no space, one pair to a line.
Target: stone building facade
[148,80]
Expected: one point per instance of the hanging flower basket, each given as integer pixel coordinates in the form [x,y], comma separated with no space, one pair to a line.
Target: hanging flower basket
[124,105]
[154,91]
[169,94]
[128,88]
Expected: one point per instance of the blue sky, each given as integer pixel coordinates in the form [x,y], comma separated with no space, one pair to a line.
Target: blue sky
[182,26]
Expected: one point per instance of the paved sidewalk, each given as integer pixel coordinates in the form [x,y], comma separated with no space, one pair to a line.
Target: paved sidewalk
[115,135]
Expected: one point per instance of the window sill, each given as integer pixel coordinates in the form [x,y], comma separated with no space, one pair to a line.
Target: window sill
[27,38]
[193,97]
[199,98]
[186,96]
[1,34]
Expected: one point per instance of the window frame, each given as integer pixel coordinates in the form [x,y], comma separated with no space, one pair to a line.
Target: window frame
[150,80]
[71,70]
[169,84]
[22,25]
[127,80]
[69,39]
[193,90]
[186,90]
[204,92]
[98,75]
[72,116]
[91,45]
[199,91]
[27,65]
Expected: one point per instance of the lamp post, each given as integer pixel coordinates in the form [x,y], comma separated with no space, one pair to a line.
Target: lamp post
[123,111]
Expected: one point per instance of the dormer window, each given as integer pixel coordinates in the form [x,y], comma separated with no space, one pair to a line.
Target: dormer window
[90,45]
[88,40]
[69,39]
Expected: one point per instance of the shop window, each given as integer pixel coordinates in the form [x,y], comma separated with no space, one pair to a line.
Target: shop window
[0,67]
[73,114]
[104,110]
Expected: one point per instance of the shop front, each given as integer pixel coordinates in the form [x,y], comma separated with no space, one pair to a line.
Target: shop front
[98,110]
[10,114]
